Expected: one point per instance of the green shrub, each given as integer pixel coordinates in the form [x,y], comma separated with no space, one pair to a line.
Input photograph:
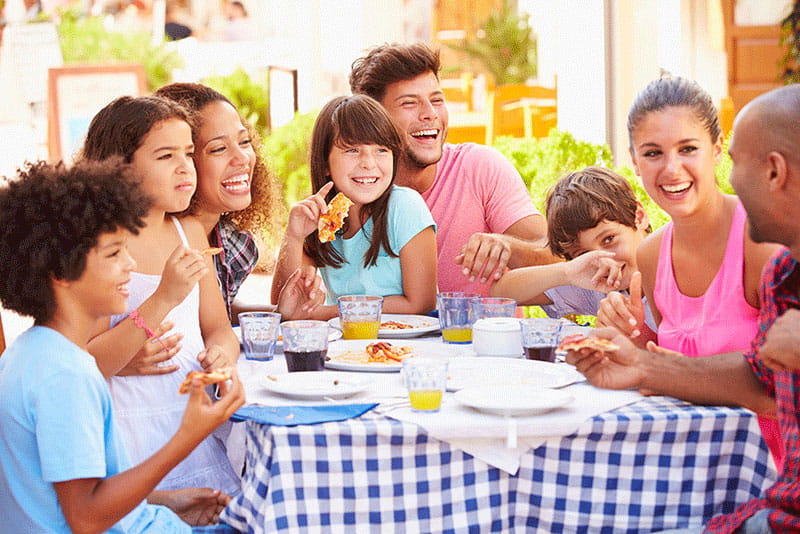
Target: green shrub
[86,40]
[250,95]
[286,153]
[541,162]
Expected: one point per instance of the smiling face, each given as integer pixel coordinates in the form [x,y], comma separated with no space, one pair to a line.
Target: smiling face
[102,288]
[615,237]
[675,157]
[165,166]
[225,160]
[362,172]
[417,107]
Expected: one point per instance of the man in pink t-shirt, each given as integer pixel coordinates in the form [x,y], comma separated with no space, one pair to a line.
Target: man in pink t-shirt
[484,215]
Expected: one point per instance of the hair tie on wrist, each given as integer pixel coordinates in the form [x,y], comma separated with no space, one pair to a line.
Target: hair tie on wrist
[139,322]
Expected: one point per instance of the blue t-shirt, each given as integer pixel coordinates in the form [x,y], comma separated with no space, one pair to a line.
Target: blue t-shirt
[56,425]
[406,217]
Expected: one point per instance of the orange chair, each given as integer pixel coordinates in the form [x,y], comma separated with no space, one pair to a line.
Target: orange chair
[521,110]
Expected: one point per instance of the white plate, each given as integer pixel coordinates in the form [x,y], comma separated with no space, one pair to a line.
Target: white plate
[422,324]
[427,348]
[513,400]
[315,385]
[487,371]
[332,336]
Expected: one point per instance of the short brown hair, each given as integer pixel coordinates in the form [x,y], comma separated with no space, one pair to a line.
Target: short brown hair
[390,63]
[583,199]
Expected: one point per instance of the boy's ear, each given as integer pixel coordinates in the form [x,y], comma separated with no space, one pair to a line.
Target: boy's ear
[642,220]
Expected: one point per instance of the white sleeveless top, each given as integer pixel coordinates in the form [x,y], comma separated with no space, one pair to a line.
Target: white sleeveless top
[148,409]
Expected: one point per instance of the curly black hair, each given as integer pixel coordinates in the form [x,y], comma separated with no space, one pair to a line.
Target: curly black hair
[51,217]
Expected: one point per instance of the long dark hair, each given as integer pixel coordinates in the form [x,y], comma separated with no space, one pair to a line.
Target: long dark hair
[352,120]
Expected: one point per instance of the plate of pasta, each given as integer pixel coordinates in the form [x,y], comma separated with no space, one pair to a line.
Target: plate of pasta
[372,355]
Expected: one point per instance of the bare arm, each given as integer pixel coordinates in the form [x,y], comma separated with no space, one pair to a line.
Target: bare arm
[418,265]
[723,379]
[488,255]
[114,348]
[93,505]
[594,270]
[303,220]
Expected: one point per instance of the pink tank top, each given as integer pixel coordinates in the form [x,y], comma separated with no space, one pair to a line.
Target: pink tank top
[721,320]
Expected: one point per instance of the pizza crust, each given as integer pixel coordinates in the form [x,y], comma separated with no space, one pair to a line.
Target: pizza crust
[208,377]
[332,221]
[579,341]
[211,251]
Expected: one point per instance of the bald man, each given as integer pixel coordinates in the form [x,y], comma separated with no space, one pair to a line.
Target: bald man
[766,175]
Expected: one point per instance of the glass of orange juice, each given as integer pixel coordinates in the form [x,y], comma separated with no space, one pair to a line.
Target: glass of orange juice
[426,381]
[457,315]
[360,316]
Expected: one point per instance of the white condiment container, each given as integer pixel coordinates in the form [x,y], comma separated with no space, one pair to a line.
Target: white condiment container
[497,336]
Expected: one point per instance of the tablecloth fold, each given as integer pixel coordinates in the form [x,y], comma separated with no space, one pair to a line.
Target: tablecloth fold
[299,415]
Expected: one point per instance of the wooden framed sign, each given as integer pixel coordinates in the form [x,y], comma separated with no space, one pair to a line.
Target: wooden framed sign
[76,93]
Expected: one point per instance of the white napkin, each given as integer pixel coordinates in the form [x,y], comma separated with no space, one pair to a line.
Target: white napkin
[484,435]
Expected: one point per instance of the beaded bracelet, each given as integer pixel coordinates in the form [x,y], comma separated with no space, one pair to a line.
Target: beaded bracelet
[139,322]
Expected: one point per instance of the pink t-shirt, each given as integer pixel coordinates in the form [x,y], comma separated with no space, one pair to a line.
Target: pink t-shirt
[476,189]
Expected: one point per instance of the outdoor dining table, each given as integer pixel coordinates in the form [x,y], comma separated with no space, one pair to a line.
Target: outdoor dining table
[651,464]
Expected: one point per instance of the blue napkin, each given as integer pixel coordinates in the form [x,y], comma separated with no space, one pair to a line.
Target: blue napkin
[299,415]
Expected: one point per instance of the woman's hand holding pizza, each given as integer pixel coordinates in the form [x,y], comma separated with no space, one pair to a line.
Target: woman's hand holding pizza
[304,216]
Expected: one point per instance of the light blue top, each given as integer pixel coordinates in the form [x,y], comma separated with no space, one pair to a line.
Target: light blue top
[574,299]
[407,216]
[56,425]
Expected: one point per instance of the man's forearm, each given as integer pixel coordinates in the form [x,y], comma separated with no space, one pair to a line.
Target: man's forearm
[723,379]
[526,253]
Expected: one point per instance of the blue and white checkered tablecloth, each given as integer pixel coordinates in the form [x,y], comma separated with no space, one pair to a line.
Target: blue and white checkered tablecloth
[656,464]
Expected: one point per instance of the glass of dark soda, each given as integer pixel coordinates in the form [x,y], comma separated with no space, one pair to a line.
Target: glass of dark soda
[540,338]
[305,345]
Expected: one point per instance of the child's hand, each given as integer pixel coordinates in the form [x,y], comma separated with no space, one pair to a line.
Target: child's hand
[196,506]
[202,416]
[183,269]
[626,314]
[152,353]
[596,270]
[214,357]
[304,216]
[301,294]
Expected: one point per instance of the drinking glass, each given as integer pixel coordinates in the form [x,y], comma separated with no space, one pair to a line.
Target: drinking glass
[456,315]
[259,334]
[540,338]
[360,316]
[426,382]
[305,345]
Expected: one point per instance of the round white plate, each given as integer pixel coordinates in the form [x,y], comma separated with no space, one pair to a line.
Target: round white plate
[513,400]
[420,325]
[332,336]
[488,371]
[427,348]
[315,385]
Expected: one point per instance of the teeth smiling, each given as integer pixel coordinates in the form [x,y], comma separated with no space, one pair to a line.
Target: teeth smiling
[677,188]
[237,183]
[425,133]
[365,181]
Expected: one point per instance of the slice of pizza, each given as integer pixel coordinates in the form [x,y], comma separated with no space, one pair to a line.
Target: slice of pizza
[207,377]
[332,221]
[211,251]
[577,342]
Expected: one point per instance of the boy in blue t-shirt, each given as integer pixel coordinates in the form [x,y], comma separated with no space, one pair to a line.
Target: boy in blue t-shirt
[596,224]
[63,466]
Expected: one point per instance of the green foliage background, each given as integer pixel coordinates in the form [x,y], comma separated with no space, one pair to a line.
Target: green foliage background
[86,40]
[250,95]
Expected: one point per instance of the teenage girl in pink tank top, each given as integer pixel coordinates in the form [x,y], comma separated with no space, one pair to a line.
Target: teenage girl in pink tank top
[701,272]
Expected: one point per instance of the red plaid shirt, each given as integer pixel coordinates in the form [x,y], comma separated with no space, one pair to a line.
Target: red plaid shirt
[779,292]
[238,258]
